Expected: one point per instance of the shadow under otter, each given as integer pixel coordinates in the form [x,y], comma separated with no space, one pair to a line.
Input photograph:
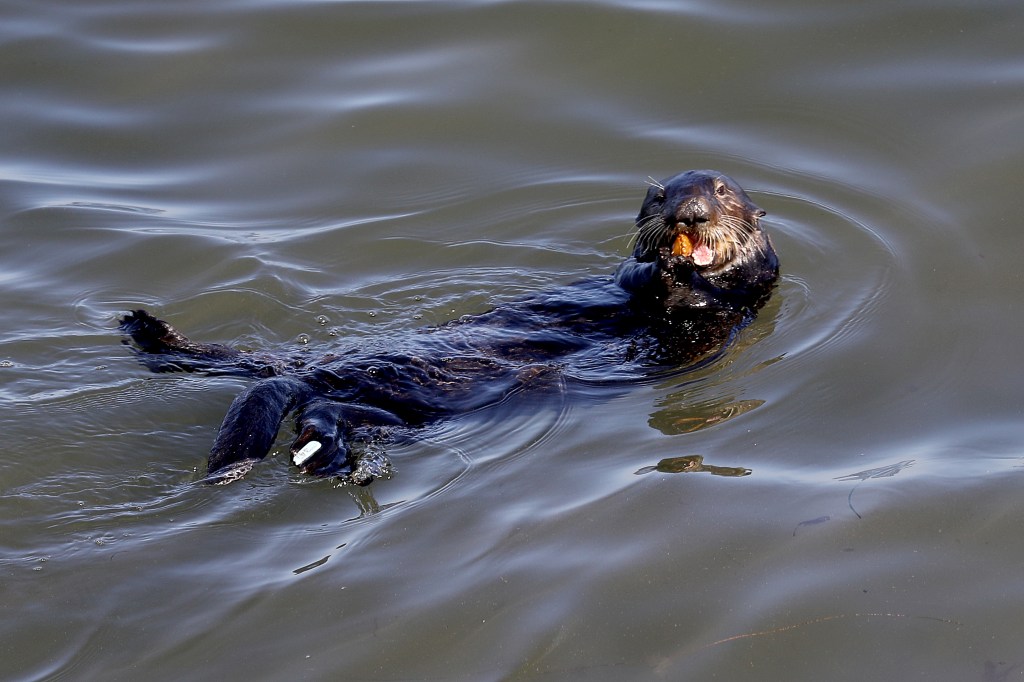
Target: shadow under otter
[701,267]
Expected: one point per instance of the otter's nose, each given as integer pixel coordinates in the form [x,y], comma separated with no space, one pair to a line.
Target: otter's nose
[694,210]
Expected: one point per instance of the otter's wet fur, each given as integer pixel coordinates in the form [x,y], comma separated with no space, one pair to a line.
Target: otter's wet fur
[663,307]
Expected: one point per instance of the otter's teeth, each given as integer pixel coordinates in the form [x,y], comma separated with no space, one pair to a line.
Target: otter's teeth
[702,255]
[307,451]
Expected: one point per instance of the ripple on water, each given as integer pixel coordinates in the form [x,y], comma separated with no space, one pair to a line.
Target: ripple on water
[823,306]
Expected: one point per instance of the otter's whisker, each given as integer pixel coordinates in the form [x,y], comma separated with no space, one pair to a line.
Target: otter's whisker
[650,232]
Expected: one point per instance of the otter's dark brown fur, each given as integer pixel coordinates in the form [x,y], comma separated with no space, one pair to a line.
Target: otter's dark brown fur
[700,269]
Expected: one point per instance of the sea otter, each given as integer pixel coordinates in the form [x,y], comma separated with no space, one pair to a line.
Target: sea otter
[701,267]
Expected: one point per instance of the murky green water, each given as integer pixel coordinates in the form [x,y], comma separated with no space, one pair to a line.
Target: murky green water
[244,168]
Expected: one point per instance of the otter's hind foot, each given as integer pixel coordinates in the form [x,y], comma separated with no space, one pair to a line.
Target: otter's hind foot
[163,348]
[318,448]
[152,335]
[328,457]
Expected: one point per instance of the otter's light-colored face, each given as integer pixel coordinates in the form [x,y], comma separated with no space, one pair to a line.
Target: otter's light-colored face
[701,215]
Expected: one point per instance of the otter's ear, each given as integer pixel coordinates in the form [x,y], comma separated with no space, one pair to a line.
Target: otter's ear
[655,193]
[653,202]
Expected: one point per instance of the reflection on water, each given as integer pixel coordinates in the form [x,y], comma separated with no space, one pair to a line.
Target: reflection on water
[692,464]
[689,418]
[315,564]
[878,472]
[812,522]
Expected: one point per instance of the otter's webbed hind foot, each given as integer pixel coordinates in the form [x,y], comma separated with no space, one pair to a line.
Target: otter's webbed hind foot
[319,447]
[162,348]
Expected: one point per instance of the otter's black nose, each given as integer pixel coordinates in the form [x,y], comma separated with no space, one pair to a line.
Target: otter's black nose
[693,210]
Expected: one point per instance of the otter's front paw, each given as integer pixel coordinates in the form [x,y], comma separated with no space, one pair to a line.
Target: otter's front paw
[675,269]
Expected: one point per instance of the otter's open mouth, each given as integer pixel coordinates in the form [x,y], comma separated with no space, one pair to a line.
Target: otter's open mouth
[700,252]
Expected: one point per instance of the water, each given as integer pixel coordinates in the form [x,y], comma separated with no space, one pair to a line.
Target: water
[285,175]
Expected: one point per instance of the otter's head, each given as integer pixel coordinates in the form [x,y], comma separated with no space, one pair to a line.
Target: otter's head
[703,216]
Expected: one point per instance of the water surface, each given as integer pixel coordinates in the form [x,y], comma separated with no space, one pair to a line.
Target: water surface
[284,175]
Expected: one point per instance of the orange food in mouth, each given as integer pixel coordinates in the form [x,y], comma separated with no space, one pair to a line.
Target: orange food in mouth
[682,246]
